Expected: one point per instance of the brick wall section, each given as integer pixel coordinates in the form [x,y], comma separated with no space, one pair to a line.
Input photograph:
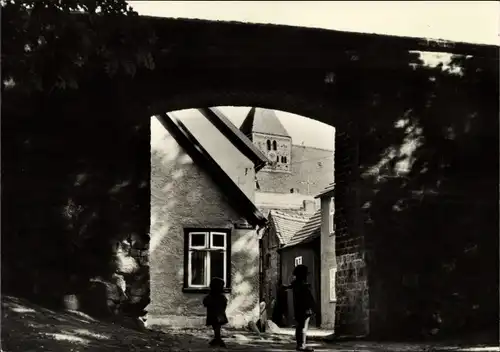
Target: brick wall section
[352,291]
[352,308]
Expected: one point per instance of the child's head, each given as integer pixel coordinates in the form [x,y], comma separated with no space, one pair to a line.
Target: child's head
[217,285]
[300,272]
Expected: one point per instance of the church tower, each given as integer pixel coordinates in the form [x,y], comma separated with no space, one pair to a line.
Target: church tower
[265,130]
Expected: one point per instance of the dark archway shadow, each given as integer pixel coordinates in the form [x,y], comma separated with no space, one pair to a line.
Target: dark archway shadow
[94,133]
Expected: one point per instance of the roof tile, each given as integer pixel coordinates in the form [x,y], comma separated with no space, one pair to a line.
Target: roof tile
[310,231]
[326,190]
[286,224]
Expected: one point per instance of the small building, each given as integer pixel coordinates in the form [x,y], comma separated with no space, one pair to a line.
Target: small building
[203,219]
[328,259]
[281,227]
[311,244]
[304,248]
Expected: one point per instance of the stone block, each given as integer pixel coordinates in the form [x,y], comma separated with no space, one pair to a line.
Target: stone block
[134,252]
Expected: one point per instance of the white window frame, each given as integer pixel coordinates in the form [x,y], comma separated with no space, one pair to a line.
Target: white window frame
[331,216]
[208,247]
[298,260]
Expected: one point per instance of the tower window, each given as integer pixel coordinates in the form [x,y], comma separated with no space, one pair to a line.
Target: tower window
[275,145]
[268,144]
[283,159]
[277,159]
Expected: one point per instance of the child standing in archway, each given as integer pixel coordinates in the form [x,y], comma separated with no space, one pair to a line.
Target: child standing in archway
[303,304]
[216,304]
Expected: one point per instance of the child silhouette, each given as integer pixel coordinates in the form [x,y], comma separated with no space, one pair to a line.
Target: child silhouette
[216,304]
[303,305]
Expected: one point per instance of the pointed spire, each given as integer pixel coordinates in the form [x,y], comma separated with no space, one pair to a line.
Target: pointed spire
[247,125]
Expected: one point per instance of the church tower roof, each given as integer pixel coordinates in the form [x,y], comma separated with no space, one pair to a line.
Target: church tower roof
[262,121]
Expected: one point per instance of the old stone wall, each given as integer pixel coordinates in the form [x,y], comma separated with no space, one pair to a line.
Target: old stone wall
[283,150]
[73,190]
[352,291]
[352,286]
[271,265]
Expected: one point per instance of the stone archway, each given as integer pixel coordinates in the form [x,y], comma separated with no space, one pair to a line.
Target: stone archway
[92,148]
[352,311]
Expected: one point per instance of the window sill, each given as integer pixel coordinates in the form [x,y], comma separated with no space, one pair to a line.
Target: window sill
[202,290]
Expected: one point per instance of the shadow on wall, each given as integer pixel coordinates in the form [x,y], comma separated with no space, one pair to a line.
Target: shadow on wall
[429,196]
[74,185]
[183,195]
[243,306]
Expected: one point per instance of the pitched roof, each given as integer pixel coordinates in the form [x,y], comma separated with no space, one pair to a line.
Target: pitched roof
[235,196]
[235,136]
[310,231]
[286,224]
[328,189]
[262,121]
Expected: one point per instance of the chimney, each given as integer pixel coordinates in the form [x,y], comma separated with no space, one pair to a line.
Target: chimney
[309,206]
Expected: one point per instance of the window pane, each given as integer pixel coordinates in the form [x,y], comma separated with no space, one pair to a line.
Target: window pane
[217,264]
[198,268]
[218,240]
[198,239]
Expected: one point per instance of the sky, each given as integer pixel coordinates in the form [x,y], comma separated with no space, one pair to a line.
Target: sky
[465,21]
[303,130]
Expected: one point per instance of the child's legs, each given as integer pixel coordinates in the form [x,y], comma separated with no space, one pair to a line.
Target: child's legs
[217,334]
[305,328]
[301,330]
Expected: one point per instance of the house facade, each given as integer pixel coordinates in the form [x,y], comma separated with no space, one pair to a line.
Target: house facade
[203,219]
[328,258]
